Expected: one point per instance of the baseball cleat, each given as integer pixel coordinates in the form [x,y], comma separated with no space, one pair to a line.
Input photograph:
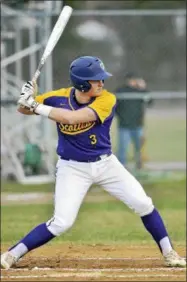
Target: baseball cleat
[172,259]
[7,260]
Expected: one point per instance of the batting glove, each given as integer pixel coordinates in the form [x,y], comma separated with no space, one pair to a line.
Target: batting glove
[30,87]
[26,97]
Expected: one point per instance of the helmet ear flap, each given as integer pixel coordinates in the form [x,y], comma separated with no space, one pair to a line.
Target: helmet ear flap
[86,86]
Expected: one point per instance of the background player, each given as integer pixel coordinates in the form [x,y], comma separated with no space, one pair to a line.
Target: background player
[83,114]
[131,118]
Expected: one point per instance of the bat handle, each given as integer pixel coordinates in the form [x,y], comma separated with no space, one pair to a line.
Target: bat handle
[36,75]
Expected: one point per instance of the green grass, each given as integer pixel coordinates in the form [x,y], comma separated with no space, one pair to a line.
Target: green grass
[163,179]
[15,187]
[108,221]
[166,138]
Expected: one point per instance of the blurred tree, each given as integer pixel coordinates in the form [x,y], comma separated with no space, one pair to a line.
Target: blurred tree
[15,3]
[74,4]
[133,4]
[150,4]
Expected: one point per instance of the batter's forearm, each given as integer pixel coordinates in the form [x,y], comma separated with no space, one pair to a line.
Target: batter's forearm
[55,114]
[66,116]
[61,115]
[72,117]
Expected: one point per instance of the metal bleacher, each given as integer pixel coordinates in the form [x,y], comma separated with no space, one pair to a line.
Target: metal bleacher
[20,49]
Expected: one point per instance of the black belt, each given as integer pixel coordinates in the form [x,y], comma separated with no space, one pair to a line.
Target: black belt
[96,159]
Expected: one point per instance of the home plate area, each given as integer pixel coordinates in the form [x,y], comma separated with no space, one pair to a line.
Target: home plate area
[94,263]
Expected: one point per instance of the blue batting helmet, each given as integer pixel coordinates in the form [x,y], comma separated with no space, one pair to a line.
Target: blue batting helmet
[84,69]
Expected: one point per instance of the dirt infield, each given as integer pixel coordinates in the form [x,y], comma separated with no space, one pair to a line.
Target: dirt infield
[68,262]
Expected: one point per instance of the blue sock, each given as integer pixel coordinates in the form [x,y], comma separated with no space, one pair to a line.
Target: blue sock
[36,237]
[155,225]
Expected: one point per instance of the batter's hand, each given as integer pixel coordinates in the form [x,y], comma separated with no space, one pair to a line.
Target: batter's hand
[29,87]
[26,97]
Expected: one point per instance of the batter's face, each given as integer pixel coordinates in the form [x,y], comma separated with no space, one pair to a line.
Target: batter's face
[97,87]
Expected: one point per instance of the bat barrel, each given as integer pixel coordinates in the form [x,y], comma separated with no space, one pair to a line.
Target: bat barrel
[54,37]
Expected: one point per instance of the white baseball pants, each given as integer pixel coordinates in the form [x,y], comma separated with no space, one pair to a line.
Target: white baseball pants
[73,180]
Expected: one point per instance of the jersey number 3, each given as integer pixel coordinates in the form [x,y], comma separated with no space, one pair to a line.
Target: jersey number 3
[93,139]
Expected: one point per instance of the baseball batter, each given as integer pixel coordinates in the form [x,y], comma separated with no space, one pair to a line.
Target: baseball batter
[83,114]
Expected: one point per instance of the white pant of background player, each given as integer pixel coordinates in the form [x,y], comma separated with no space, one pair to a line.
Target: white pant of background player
[73,180]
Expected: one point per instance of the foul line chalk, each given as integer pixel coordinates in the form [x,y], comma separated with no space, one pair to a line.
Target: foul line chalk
[176,269]
[92,275]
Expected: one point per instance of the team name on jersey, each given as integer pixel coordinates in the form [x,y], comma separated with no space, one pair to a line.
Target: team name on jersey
[73,129]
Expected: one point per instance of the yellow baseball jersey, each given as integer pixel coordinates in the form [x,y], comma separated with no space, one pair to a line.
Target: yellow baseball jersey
[83,141]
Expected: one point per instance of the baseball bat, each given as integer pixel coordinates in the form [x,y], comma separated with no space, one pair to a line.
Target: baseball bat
[53,38]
